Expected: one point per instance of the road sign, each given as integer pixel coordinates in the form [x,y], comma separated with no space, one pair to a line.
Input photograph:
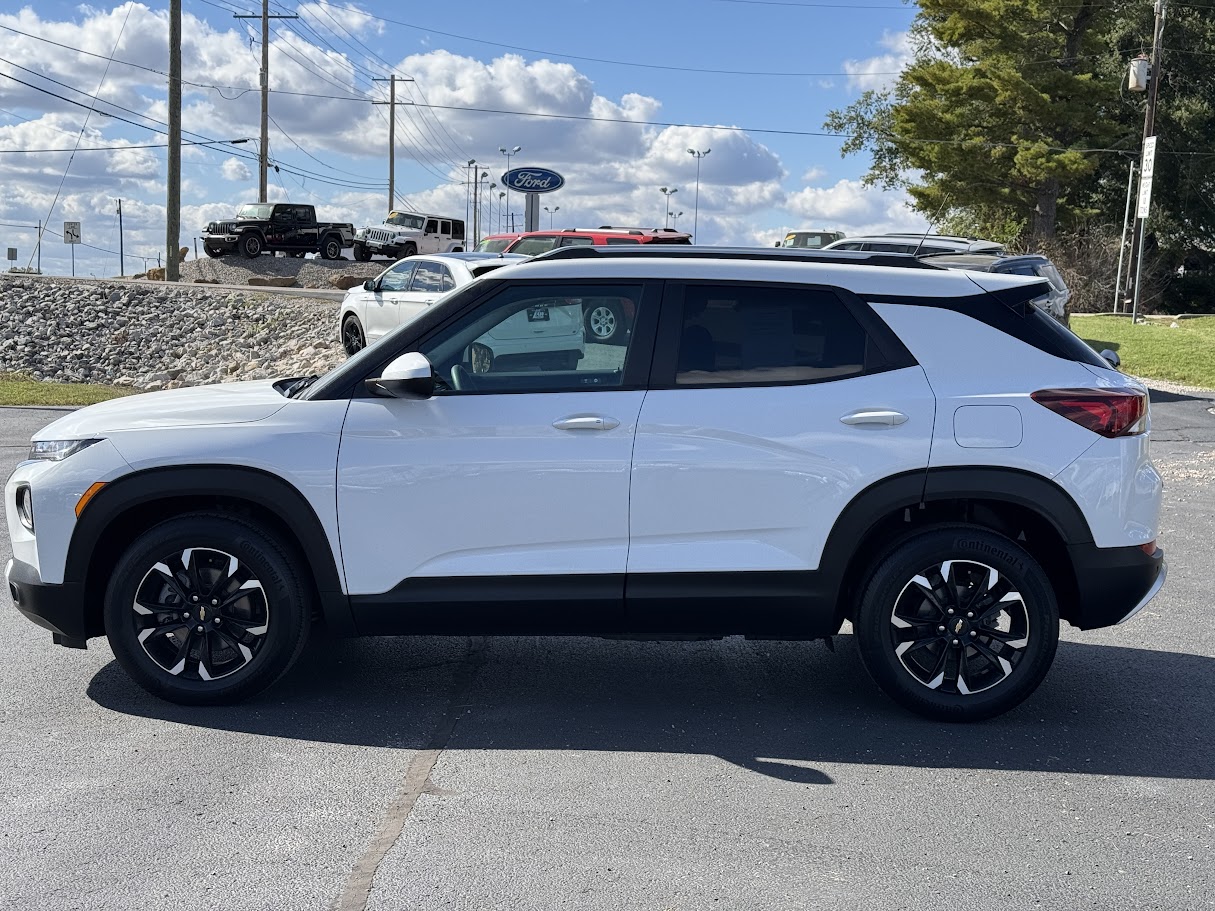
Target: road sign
[71,232]
[12,254]
[1145,177]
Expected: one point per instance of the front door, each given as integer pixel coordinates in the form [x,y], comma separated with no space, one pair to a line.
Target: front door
[381,305]
[509,488]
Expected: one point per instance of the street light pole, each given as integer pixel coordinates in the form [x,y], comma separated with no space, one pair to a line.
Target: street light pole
[675,219]
[696,205]
[501,209]
[508,153]
[668,194]
[551,212]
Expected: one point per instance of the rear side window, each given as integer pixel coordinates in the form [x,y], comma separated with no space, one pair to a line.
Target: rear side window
[611,241]
[430,278]
[457,230]
[752,334]
[577,241]
[1051,274]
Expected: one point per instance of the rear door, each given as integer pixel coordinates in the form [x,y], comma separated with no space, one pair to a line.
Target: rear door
[770,408]
[380,306]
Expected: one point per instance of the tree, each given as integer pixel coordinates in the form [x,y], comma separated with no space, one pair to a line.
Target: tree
[1014,112]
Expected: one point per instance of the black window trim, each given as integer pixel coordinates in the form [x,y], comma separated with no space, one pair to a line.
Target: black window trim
[893,353]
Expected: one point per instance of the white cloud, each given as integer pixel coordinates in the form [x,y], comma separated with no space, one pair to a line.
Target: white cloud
[347,18]
[853,208]
[235,169]
[882,71]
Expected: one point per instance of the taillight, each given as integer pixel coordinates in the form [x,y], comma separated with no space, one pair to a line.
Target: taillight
[1109,412]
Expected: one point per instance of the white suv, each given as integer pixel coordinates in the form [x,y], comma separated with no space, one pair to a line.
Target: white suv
[785,442]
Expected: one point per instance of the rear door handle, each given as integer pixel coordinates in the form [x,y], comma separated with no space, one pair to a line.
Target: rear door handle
[586,422]
[875,416]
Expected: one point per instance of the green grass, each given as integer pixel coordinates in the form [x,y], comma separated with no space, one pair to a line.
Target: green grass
[16,389]
[1183,355]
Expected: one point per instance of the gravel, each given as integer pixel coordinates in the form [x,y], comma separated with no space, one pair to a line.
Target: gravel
[308,273]
[160,336]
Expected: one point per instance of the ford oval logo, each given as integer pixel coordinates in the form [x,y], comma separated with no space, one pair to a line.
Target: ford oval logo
[533,180]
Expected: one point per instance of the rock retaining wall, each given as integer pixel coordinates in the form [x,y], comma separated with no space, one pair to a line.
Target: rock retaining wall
[160,336]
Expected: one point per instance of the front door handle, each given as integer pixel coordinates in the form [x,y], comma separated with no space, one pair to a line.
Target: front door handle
[586,422]
[875,416]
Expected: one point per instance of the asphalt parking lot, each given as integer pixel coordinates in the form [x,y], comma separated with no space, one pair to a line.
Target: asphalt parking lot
[541,773]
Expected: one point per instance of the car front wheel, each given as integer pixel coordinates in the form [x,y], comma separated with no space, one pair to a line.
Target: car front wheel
[206,609]
[251,245]
[331,248]
[353,339]
[958,624]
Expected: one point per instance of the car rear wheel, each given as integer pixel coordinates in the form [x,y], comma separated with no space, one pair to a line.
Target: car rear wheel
[206,609]
[958,623]
[251,246]
[353,339]
[331,248]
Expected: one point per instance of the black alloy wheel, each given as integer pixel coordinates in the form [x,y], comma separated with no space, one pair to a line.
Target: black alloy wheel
[206,609]
[353,339]
[361,253]
[331,248]
[958,624]
[409,250]
[251,245]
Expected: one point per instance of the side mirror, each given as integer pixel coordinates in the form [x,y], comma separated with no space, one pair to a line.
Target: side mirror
[1111,358]
[409,376]
[777,244]
[369,285]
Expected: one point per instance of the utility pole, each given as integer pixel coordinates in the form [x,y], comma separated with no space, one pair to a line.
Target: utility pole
[121,272]
[263,158]
[1135,266]
[173,202]
[392,134]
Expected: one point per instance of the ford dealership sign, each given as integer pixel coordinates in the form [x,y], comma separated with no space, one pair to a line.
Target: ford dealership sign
[533,180]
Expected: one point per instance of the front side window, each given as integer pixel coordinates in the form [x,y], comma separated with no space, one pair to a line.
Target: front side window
[432,226]
[397,278]
[428,278]
[736,335]
[530,339]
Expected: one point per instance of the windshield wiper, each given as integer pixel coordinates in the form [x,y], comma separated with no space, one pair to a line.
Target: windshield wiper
[299,386]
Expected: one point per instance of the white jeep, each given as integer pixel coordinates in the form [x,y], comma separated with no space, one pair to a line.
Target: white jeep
[406,234]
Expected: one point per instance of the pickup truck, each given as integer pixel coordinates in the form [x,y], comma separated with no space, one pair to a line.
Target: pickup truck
[264,227]
[406,233]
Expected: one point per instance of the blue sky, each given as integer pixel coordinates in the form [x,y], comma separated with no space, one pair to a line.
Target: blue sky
[635,83]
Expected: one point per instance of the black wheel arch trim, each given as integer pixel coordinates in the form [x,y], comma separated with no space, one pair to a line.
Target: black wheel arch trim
[876,503]
[255,486]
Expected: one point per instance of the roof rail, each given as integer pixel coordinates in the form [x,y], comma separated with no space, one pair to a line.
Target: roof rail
[773,254]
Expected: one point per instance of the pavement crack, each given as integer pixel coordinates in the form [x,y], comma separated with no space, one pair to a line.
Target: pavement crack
[357,891]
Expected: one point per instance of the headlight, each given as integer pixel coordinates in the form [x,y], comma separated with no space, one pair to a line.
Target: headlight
[58,450]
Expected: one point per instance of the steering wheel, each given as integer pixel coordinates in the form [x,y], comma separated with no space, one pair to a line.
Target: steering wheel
[460,380]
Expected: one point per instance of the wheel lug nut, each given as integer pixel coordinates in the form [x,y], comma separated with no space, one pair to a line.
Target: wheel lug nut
[940,629]
[186,615]
[215,603]
[972,632]
[194,597]
[950,612]
[970,615]
[217,623]
[201,628]
[955,641]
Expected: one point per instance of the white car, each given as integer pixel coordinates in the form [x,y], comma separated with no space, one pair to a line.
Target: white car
[405,289]
[784,442]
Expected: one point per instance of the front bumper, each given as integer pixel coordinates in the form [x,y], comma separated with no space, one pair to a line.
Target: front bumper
[1114,583]
[58,608]
[221,242]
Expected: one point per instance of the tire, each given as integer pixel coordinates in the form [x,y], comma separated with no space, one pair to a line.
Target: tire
[409,250]
[251,245]
[961,664]
[331,247]
[214,254]
[361,253]
[353,339]
[604,323]
[223,575]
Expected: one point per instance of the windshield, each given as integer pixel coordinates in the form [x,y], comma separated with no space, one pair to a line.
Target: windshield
[810,239]
[495,245]
[530,246]
[405,220]
[255,211]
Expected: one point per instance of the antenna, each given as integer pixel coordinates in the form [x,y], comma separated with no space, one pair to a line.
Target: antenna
[928,230]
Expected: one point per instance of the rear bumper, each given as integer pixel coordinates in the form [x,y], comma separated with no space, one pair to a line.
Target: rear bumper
[1114,583]
[58,608]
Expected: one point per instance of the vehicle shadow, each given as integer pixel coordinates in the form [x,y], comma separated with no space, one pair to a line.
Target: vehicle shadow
[1160,397]
[785,710]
